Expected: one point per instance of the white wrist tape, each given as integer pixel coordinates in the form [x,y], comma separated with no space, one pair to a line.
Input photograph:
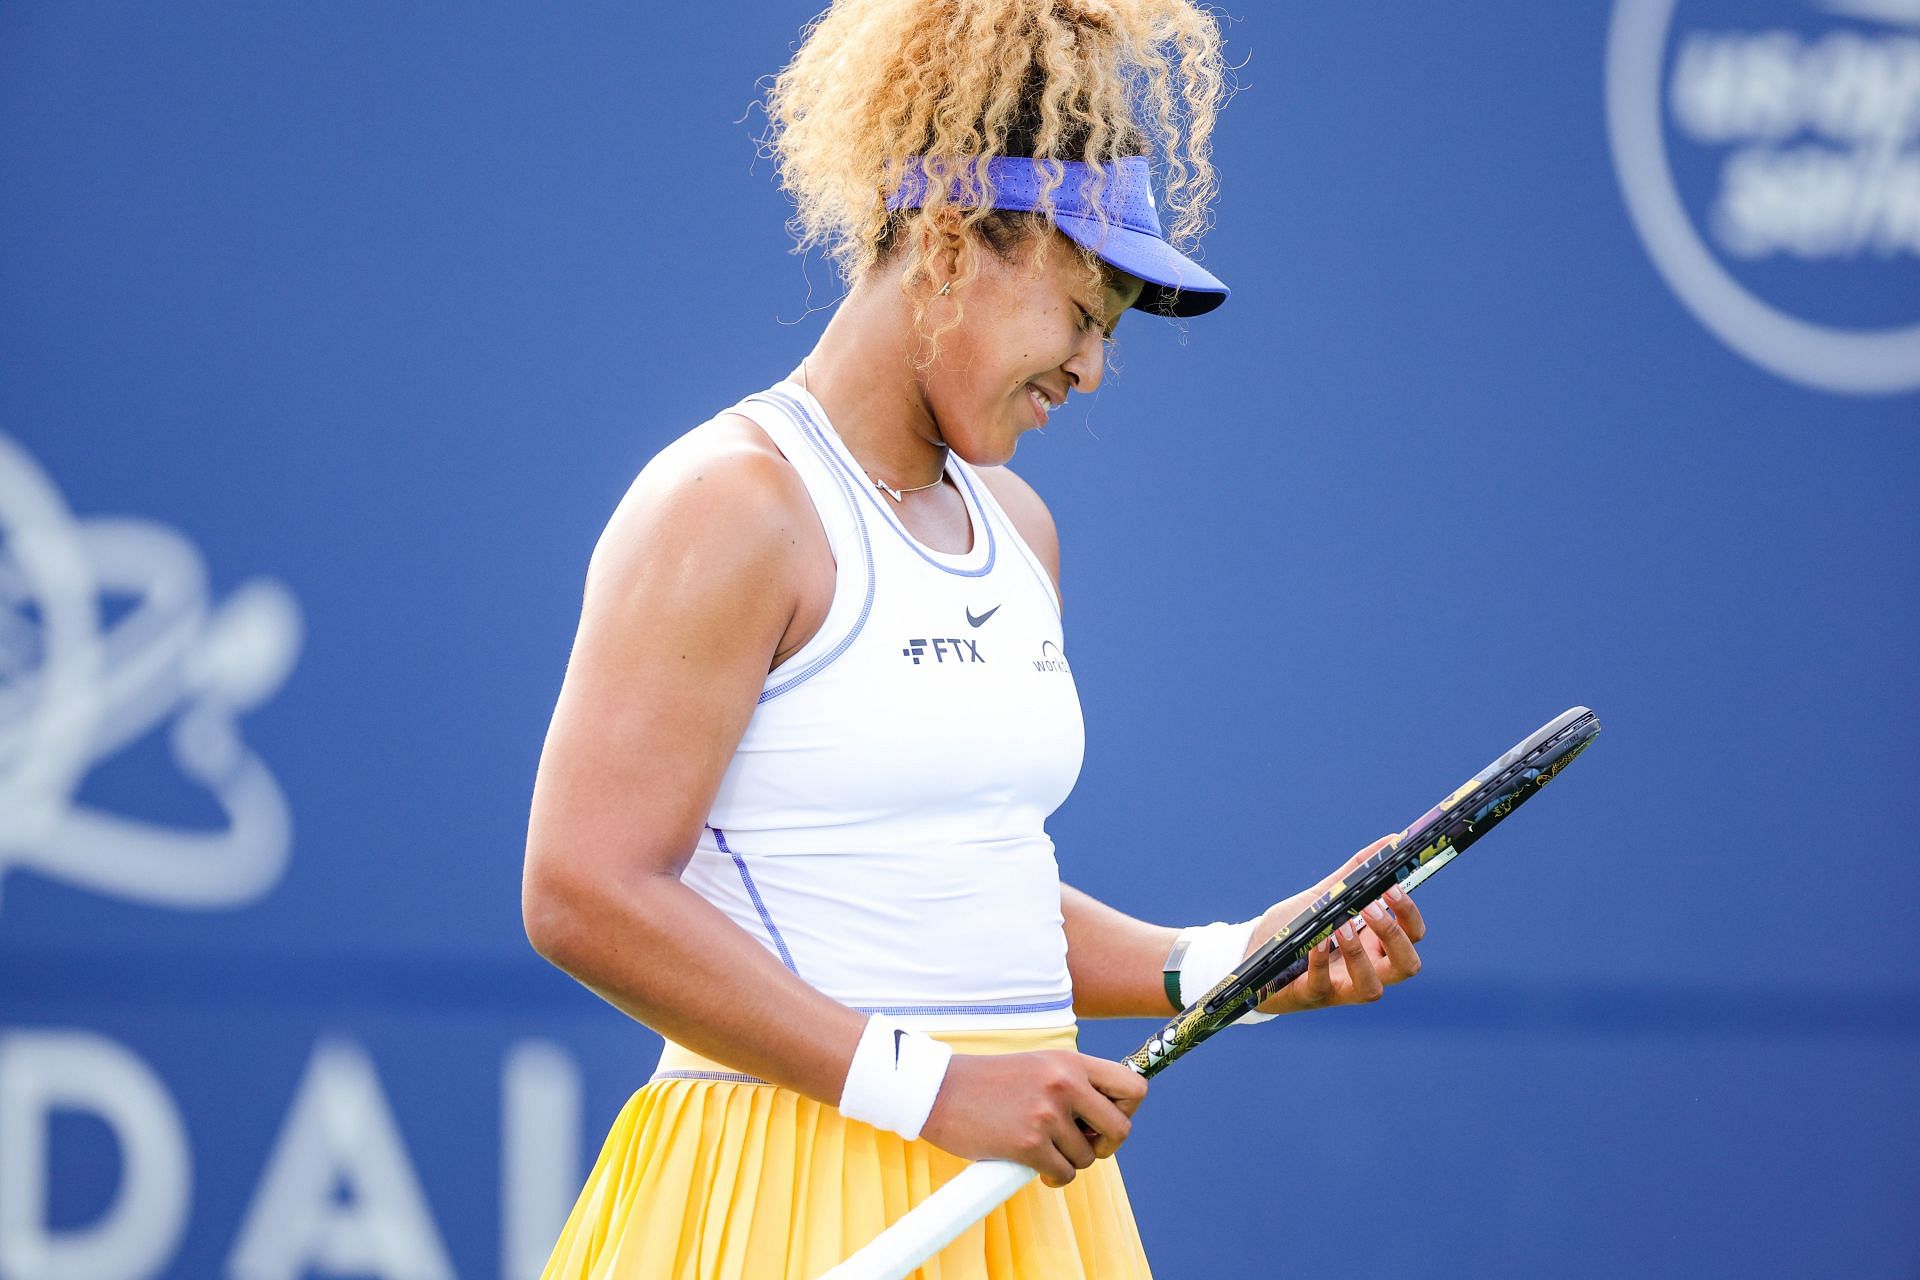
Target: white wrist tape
[1213,951]
[895,1076]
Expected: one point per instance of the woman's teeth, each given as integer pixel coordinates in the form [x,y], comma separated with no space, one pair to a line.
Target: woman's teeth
[1046,406]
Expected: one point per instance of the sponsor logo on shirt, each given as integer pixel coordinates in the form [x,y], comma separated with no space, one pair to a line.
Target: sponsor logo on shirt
[1051,659]
[943,650]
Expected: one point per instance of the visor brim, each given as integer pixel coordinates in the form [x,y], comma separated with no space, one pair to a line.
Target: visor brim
[1176,284]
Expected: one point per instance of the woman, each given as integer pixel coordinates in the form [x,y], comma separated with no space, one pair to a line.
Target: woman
[790,810]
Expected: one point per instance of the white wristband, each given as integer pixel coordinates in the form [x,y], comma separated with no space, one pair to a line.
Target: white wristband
[895,1076]
[1213,951]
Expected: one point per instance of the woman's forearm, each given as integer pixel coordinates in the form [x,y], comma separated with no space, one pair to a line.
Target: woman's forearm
[669,959]
[663,955]
[1114,959]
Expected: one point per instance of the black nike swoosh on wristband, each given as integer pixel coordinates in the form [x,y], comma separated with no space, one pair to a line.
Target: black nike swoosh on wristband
[896,1046]
[981,620]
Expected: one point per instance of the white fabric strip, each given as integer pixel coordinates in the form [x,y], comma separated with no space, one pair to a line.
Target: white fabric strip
[895,1076]
[1213,951]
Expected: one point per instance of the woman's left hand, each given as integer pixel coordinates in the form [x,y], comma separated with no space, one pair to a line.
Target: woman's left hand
[1357,964]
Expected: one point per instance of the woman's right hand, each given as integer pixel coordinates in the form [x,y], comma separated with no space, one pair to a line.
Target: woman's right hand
[1054,1110]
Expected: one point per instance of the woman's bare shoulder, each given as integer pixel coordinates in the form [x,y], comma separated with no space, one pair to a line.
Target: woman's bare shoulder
[721,492]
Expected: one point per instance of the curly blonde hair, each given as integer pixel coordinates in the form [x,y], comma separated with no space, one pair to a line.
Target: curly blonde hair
[953,83]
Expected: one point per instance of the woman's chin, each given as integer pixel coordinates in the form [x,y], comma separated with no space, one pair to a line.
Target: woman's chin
[987,449]
[997,453]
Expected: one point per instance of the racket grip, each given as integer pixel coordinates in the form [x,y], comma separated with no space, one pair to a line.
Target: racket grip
[932,1224]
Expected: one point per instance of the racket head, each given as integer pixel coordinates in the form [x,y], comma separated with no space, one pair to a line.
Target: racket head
[1496,791]
[1433,840]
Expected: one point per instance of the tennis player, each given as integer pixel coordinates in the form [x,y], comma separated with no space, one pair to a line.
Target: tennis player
[791,809]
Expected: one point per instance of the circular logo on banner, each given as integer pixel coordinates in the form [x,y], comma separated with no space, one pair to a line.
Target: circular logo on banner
[81,681]
[1773,172]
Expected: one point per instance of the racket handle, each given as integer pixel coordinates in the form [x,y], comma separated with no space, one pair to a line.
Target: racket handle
[1289,973]
[1271,985]
[932,1224]
[1299,966]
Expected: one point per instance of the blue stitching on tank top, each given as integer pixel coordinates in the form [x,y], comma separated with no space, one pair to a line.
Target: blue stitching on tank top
[900,1010]
[727,1077]
[814,428]
[825,660]
[1047,589]
[786,957]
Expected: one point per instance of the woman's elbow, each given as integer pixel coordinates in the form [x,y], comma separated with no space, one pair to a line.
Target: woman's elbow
[551,915]
[581,918]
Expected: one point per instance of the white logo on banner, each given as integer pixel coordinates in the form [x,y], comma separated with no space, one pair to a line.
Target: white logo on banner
[75,689]
[1823,167]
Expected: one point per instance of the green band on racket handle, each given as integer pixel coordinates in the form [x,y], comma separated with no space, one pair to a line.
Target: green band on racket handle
[1170,970]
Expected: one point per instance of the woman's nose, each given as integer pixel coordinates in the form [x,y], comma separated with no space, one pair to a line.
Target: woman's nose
[1087,364]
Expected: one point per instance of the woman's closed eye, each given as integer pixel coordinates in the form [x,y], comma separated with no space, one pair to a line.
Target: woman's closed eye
[1090,323]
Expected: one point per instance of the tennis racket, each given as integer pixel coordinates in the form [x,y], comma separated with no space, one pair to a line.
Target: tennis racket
[1430,843]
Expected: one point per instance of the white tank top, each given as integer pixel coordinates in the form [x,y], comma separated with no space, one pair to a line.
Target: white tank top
[881,828]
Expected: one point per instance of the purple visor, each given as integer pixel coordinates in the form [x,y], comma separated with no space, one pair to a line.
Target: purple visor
[1130,239]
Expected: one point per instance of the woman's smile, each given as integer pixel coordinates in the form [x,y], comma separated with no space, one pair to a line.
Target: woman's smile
[1041,403]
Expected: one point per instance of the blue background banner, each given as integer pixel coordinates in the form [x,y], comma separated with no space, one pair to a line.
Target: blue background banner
[1574,357]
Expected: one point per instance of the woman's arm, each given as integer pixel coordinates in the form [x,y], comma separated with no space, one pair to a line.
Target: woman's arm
[690,595]
[1114,959]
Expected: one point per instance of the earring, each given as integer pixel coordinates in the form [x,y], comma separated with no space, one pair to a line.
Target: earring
[944,290]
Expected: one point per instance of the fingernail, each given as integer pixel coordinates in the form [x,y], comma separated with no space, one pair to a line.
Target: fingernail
[1347,932]
[1397,894]
[1377,911]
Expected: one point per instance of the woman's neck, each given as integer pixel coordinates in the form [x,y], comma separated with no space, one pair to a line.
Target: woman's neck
[861,371]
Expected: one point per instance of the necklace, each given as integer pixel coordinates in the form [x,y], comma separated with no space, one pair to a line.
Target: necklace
[898,495]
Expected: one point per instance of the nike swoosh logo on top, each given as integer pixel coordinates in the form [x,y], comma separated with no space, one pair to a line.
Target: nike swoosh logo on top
[896,1045]
[974,622]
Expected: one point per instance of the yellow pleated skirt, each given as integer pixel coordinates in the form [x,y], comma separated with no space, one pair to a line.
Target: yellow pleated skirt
[708,1175]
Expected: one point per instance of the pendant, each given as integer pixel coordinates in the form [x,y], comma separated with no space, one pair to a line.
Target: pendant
[887,489]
